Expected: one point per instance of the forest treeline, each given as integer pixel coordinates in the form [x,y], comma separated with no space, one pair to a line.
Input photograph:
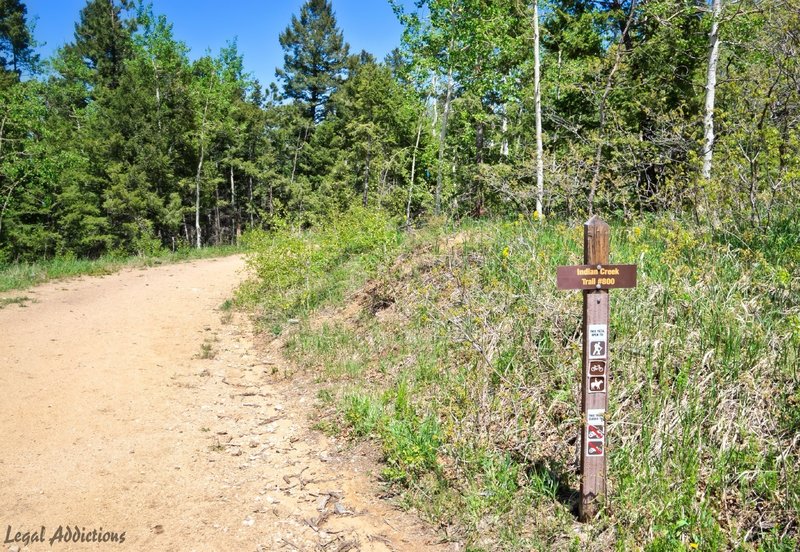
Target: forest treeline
[122,143]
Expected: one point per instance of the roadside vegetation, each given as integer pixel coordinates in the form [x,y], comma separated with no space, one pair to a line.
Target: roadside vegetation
[22,275]
[452,351]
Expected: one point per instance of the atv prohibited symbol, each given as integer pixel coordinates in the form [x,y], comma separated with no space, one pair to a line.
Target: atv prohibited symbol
[594,448]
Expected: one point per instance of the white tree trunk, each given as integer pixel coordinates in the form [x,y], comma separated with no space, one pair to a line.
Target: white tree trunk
[158,93]
[434,95]
[199,241]
[413,171]
[442,139]
[538,103]
[504,130]
[200,171]
[711,86]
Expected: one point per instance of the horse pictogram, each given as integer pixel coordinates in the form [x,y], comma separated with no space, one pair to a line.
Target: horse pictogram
[597,384]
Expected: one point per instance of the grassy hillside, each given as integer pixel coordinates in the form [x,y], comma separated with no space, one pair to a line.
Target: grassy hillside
[454,352]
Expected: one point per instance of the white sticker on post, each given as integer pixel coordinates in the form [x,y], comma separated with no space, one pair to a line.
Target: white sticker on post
[597,337]
[596,416]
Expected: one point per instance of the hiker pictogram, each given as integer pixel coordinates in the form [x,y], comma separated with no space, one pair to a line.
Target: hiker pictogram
[597,349]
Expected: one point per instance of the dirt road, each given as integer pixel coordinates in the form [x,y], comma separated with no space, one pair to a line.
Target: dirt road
[134,410]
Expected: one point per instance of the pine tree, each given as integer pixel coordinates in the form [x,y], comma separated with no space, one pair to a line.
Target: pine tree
[103,40]
[150,112]
[16,42]
[314,57]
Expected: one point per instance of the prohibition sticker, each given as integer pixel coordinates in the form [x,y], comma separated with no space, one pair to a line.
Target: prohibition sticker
[594,448]
[597,335]
[595,432]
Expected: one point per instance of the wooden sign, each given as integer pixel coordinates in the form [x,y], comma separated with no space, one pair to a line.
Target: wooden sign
[595,278]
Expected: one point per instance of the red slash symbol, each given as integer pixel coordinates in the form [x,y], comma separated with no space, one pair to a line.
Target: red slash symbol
[594,449]
[595,432]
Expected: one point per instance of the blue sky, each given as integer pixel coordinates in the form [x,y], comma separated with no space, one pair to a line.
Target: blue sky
[367,24]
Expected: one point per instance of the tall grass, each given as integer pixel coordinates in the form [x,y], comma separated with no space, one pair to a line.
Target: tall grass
[469,379]
[23,275]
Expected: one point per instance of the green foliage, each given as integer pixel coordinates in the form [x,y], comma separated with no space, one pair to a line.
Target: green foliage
[103,41]
[469,384]
[16,42]
[294,269]
[139,148]
[410,447]
[363,413]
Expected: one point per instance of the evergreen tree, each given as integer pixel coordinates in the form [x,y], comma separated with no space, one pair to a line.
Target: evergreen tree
[129,147]
[314,57]
[16,42]
[103,40]
[150,113]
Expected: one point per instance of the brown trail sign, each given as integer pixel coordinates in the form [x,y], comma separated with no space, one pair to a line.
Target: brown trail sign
[595,278]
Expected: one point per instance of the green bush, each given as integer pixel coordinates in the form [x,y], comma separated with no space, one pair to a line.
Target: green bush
[296,270]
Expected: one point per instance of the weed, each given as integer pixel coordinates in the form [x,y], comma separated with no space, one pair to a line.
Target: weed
[207,351]
[327,427]
[363,413]
[19,300]
[325,396]
[410,448]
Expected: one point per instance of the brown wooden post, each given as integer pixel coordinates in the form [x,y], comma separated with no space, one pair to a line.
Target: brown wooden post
[594,381]
[595,277]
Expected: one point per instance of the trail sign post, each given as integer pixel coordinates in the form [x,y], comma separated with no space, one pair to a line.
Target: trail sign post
[595,277]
